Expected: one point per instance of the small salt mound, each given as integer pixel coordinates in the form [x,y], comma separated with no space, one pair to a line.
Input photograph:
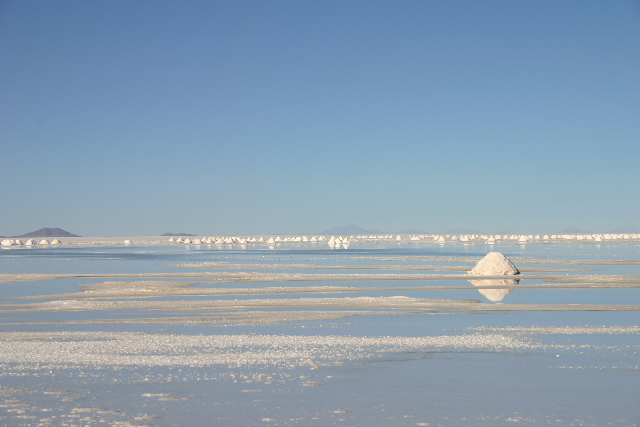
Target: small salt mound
[197,241]
[494,264]
[18,242]
[44,242]
[171,239]
[30,242]
[271,240]
[179,240]
[127,242]
[56,242]
[187,240]
[6,242]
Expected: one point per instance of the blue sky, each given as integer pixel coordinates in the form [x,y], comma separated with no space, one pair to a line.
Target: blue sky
[251,117]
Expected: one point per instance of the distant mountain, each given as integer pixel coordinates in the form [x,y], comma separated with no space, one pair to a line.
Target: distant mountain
[626,229]
[176,234]
[49,232]
[574,230]
[462,231]
[411,231]
[351,229]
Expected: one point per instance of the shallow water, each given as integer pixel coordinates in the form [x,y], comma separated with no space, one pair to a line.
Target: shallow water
[537,377]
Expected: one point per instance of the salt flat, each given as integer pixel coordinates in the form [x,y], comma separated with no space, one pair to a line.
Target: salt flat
[377,331]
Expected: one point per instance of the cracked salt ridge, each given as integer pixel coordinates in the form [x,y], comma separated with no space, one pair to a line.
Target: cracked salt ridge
[162,289]
[561,330]
[514,259]
[304,277]
[251,318]
[141,349]
[224,265]
[395,302]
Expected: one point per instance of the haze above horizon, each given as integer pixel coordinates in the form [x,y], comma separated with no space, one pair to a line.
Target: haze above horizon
[247,117]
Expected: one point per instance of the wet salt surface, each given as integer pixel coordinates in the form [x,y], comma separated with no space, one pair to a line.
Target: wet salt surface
[560,368]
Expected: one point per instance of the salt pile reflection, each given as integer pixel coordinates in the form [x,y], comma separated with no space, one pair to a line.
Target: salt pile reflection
[499,292]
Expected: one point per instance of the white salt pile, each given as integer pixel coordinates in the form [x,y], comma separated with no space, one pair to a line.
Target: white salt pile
[30,242]
[127,242]
[44,242]
[495,264]
[6,242]
[56,242]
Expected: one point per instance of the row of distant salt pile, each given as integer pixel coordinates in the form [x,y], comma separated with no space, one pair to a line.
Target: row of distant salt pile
[345,241]
[30,242]
[522,238]
[233,240]
[336,242]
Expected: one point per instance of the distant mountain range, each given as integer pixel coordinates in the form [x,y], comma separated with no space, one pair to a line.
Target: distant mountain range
[49,232]
[351,229]
[176,234]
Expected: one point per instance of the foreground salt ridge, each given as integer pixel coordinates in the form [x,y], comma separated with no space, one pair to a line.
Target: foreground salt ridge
[47,349]
[142,349]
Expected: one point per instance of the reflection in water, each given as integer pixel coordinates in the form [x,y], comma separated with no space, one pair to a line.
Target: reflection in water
[495,295]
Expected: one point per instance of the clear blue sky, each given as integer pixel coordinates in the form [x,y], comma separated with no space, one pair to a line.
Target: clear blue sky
[250,117]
